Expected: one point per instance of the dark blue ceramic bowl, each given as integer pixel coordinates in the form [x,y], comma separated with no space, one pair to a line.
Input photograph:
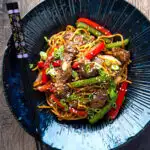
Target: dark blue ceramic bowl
[52,16]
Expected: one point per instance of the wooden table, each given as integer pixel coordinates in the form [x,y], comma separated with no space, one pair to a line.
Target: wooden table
[12,136]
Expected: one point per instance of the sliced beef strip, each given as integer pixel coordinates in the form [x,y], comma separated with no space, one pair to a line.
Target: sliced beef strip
[62,90]
[99,99]
[83,74]
[69,48]
[78,39]
[121,54]
[63,76]
[68,35]
[68,57]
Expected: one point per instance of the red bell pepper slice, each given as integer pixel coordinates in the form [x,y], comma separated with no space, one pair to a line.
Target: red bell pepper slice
[91,54]
[52,89]
[112,114]
[78,112]
[44,77]
[45,87]
[40,64]
[56,100]
[95,51]
[49,59]
[95,25]
[56,63]
[76,65]
[51,52]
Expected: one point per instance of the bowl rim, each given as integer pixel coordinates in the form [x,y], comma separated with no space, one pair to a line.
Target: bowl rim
[34,135]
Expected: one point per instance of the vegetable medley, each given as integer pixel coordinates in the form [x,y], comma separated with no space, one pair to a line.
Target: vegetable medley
[84,72]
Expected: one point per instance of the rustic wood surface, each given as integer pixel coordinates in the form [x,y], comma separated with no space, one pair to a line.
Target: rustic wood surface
[12,136]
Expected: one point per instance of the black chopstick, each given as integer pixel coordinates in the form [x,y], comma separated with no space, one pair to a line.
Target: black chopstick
[22,56]
[17,30]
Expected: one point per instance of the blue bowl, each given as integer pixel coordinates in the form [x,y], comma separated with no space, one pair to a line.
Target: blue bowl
[52,16]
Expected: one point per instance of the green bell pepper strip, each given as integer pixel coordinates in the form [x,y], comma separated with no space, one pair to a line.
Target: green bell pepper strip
[89,81]
[117,44]
[101,113]
[43,55]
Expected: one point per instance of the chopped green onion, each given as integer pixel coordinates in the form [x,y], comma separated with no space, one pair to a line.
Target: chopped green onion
[46,39]
[43,55]
[75,75]
[51,71]
[31,66]
[58,52]
[107,62]
[88,68]
[115,67]
[90,97]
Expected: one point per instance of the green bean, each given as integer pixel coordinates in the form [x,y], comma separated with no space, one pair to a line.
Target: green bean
[117,44]
[89,81]
[107,41]
[112,92]
[91,30]
[100,114]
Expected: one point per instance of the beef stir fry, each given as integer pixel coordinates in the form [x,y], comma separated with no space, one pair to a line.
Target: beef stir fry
[83,72]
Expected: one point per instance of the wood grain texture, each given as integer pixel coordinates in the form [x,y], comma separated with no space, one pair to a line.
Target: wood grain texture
[12,136]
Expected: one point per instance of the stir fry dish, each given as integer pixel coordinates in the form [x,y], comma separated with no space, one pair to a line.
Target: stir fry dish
[83,73]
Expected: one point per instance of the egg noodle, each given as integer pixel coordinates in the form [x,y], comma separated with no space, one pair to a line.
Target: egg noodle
[80,99]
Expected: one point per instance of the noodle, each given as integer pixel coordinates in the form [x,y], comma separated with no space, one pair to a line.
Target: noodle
[76,44]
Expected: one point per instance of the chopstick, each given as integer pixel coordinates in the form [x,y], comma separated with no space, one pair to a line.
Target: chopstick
[17,30]
[22,56]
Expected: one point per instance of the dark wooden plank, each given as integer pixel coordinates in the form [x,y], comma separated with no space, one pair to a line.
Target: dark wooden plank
[12,136]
